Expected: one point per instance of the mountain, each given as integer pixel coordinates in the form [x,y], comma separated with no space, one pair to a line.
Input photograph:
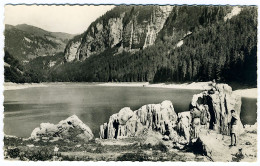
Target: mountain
[165,44]
[156,44]
[129,28]
[26,42]
[13,70]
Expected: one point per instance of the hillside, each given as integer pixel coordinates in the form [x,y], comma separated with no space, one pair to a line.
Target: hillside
[26,42]
[166,44]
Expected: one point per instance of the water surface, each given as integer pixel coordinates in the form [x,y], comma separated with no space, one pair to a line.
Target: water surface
[25,109]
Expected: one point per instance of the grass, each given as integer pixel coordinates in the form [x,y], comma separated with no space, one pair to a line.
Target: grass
[16,148]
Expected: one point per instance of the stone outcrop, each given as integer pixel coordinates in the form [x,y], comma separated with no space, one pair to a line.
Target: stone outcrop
[71,50]
[71,128]
[123,31]
[184,124]
[212,108]
[210,111]
[210,125]
[128,123]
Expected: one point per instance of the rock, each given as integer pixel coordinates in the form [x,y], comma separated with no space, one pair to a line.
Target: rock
[213,147]
[166,138]
[152,138]
[30,146]
[251,128]
[213,108]
[71,50]
[56,149]
[179,146]
[248,143]
[124,115]
[124,31]
[184,124]
[205,127]
[78,146]
[71,128]
[128,123]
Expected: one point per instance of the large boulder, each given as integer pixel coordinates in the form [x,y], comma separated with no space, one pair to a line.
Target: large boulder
[128,123]
[70,128]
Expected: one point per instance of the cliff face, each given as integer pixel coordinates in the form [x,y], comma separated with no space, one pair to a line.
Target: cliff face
[132,29]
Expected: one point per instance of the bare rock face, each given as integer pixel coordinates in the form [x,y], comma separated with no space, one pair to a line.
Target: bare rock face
[128,123]
[71,51]
[126,31]
[70,128]
[212,109]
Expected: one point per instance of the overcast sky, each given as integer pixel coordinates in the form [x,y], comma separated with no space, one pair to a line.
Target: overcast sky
[71,19]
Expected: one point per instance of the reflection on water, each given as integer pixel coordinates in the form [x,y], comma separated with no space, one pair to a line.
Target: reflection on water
[25,109]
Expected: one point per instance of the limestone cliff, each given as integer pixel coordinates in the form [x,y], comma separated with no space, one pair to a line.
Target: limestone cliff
[128,28]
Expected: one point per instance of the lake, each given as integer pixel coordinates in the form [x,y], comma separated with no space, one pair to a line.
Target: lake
[26,108]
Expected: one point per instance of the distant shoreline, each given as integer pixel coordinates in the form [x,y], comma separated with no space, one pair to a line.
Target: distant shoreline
[191,86]
[248,93]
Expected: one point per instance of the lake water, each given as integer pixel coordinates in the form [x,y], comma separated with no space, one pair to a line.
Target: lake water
[25,109]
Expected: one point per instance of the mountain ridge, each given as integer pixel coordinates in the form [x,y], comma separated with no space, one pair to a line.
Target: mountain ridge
[27,42]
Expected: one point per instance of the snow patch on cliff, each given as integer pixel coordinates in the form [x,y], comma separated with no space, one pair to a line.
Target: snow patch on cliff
[235,11]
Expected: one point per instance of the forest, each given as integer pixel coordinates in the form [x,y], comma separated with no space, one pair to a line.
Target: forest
[224,50]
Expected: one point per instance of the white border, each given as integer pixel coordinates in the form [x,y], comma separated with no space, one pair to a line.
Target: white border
[162,2]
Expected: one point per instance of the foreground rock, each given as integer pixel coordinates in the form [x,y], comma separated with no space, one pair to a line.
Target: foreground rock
[128,123]
[210,122]
[212,109]
[71,128]
[203,127]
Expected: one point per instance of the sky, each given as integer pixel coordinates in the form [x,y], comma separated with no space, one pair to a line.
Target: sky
[62,18]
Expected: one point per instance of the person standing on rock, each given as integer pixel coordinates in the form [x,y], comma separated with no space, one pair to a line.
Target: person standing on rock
[234,128]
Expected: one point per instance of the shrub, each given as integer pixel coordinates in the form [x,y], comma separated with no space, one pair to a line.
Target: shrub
[13,153]
[159,146]
[41,154]
[133,157]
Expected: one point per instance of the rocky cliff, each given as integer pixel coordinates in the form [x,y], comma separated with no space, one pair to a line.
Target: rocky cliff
[127,28]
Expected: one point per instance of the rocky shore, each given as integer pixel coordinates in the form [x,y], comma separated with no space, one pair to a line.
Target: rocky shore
[154,132]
